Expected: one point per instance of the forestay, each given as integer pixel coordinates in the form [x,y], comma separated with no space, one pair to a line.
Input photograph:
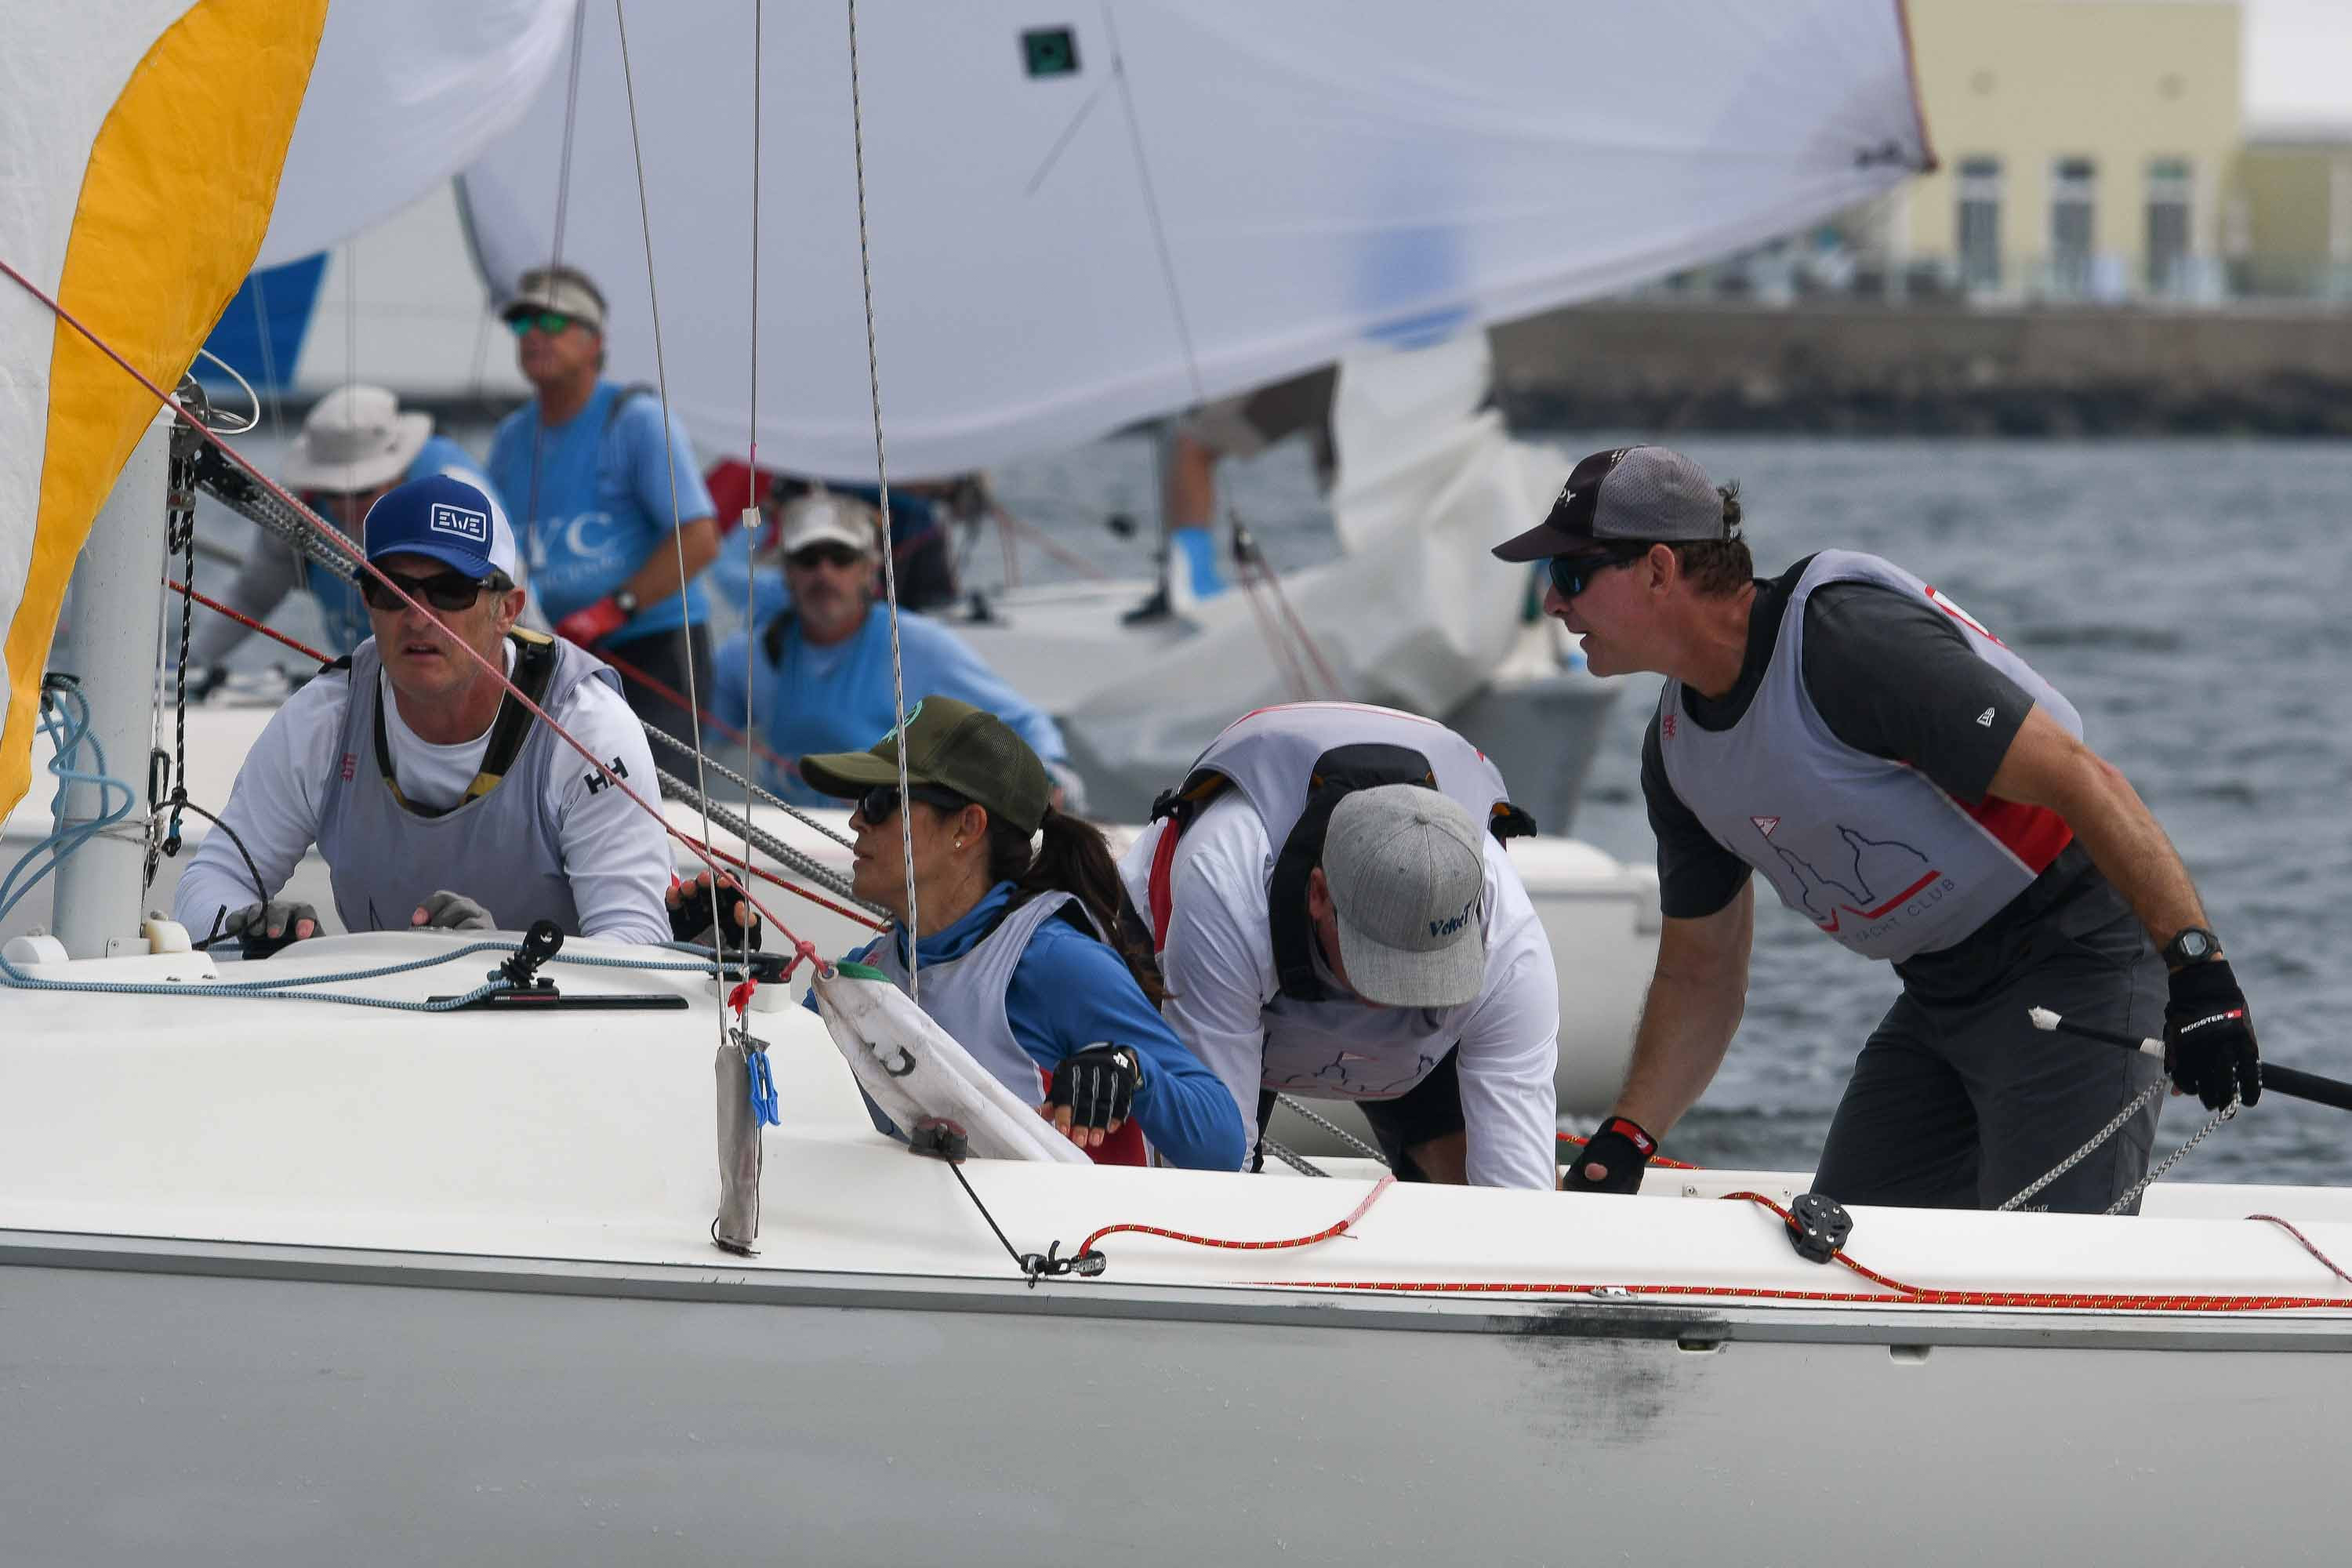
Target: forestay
[1324,176]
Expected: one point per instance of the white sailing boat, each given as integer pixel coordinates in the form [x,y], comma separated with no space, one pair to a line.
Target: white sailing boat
[321,1273]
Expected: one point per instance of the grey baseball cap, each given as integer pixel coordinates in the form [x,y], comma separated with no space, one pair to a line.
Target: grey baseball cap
[1648,494]
[1407,878]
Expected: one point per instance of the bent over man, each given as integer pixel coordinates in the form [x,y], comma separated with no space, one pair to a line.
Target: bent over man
[1335,918]
[1924,797]
[434,797]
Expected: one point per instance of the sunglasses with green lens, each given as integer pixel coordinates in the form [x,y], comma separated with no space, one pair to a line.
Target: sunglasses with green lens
[547,322]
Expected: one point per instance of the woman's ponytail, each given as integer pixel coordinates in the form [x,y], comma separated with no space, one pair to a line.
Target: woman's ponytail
[1072,857]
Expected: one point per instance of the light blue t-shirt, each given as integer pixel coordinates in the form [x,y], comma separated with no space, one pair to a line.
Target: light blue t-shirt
[603,503]
[341,609]
[838,699]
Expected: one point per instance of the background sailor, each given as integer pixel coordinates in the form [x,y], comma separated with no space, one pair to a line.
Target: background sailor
[1918,792]
[819,669]
[434,797]
[355,445]
[1014,950]
[600,482]
[1325,933]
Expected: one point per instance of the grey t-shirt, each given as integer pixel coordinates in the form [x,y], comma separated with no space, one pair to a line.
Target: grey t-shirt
[1869,652]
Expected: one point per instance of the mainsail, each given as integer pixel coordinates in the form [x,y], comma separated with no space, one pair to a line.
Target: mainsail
[1087,217]
[144,141]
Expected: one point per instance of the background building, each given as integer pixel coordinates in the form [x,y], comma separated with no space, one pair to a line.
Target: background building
[2088,148]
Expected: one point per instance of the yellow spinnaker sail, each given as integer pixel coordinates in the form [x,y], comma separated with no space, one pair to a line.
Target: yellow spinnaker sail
[146,138]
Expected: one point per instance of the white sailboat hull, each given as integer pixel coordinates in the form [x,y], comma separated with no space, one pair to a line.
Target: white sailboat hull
[290,1280]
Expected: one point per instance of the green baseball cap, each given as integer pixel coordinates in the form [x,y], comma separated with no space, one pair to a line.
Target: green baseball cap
[949,745]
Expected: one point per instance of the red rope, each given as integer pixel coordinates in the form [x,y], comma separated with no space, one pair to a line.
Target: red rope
[790,886]
[668,693]
[245,620]
[1045,542]
[2326,1262]
[1892,1292]
[1654,1159]
[360,560]
[1379,1189]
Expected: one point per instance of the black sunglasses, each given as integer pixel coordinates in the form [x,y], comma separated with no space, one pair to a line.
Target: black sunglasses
[881,804]
[1572,575]
[443,591]
[816,555]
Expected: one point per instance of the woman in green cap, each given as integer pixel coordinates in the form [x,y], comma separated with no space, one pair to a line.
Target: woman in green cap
[1013,905]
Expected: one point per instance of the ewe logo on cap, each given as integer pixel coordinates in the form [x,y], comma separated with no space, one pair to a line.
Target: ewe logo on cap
[465,522]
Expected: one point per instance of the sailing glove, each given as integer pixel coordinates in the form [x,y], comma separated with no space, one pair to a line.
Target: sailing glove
[262,928]
[2209,1037]
[690,912]
[1622,1148]
[445,910]
[1098,1084]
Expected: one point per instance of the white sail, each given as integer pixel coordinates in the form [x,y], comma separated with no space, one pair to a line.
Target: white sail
[1219,192]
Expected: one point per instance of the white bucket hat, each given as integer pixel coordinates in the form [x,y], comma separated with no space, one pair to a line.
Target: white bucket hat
[355,438]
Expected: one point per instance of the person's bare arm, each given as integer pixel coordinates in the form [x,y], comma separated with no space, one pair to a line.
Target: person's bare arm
[659,574]
[2047,766]
[1696,997]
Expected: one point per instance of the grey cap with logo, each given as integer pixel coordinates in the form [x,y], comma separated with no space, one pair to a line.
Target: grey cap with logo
[1407,875]
[1627,494]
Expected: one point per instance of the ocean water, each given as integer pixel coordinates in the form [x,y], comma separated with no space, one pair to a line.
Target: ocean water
[2188,596]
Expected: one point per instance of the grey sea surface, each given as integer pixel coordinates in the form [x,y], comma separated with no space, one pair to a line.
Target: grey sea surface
[2186,595]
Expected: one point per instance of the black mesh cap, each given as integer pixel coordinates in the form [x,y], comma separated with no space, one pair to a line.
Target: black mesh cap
[954,745]
[1642,493]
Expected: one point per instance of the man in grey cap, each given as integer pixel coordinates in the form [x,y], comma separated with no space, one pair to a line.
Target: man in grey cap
[1335,917]
[1912,787]
[609,498]
[356,444]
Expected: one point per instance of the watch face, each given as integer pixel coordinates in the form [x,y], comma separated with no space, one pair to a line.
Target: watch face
[2193,946]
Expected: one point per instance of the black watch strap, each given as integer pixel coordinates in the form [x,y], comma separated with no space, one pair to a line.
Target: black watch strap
[2191,944]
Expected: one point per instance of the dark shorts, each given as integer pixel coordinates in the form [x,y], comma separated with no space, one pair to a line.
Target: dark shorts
[1248,422]
[662,656]
[1430,1108]
[1956,1101]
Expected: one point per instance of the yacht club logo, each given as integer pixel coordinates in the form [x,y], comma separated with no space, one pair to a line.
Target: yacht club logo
[1865,890]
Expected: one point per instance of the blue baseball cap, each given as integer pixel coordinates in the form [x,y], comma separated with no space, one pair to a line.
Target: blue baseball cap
[445,518]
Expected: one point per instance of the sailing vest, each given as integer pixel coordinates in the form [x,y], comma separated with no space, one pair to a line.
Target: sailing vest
[1871,851]
[501,846]
[965,996]
[1294,764]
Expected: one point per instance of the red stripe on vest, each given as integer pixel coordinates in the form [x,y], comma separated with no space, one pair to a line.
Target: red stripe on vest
[1157,891]
[2034,834]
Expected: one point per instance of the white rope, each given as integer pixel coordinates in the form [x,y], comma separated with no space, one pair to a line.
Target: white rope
[669,460]
[555,258]
[750,519]
[889,551]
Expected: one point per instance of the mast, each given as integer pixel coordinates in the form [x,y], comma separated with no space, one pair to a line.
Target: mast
[118,593]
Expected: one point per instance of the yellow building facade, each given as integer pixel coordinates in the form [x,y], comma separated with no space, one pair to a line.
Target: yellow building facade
[2087,149]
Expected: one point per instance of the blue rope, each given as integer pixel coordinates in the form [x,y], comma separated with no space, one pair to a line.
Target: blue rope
[65,719]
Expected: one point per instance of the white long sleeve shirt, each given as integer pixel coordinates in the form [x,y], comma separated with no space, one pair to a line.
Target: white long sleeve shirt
[1218,962]
[616,856]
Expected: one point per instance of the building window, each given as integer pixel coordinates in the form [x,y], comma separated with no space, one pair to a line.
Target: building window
[2168,207]
[2073,190]
[1979,224]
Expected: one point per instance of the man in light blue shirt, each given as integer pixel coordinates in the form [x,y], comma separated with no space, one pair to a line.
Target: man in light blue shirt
[587,468]
[821,681]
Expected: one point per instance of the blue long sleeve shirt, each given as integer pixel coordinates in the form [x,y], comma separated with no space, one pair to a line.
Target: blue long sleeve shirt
[837,698]
[1070,991]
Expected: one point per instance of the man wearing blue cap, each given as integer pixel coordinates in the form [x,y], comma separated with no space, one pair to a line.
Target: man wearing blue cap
[433,796]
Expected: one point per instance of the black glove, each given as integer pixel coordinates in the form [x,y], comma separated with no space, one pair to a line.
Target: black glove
[2209,1037]
[1619,1145]
[1098,1084]
[445,910]
[690,912]
[262,928]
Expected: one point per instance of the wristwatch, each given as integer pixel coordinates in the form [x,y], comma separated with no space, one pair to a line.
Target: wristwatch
[2191,944]
[626,603]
